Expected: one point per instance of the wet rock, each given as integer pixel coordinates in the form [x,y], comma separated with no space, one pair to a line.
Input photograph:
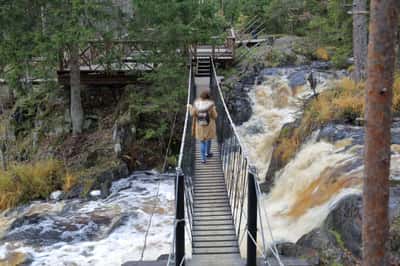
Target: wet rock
[238,101]
[326,243]
[336,132]
[297,251]
[346,220]
[95,193]
[272,71]
[276,162]
[338,240]
[321,65]
[101,182]
[43,229]
[124,134]
[57,195]
[297,78]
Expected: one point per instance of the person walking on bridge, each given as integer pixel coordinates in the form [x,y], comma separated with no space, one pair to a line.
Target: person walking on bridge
[204,115]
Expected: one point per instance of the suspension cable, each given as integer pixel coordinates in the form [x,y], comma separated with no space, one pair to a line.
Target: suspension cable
[151,219]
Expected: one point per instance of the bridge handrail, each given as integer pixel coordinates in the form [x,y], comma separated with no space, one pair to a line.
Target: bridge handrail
[187,116]
[239,175]
[221,95]
[183,184]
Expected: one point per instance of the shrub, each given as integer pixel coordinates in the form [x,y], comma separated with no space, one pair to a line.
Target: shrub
[24,182]
[322,54]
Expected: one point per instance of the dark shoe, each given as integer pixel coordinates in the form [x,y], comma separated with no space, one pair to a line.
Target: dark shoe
[210,155]
[203,162]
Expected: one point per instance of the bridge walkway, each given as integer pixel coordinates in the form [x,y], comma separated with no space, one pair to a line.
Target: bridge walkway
[213,235]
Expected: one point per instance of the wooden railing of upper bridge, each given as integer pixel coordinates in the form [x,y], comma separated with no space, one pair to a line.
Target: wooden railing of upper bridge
[121,62]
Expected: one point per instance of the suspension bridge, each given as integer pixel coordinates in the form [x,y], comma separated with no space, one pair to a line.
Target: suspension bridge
[220,218]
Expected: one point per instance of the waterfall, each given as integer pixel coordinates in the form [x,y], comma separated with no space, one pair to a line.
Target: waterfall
[321,173]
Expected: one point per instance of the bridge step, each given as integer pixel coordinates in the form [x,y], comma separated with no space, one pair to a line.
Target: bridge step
[213,229]
[215,250]
[214,239]
[212,213]
[213,184]
[212,222]
[208,244]
[230,232]
[215,205]
[208,183]
[213,218]
[208,202]
[210,192]
[212,210]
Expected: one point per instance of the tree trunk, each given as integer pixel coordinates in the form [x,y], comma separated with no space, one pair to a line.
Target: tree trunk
[3,155]
[378,116]
[75,82]
[360,39]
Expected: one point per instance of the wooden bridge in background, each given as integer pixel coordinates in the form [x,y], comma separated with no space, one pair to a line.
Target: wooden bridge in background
[122,62]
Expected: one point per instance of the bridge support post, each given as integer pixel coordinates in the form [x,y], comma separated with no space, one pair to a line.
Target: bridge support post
[180,220]
[251,221]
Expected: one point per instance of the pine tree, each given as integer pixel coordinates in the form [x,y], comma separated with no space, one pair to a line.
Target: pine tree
[378,117]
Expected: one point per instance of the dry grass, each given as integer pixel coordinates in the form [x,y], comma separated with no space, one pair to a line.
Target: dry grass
[70,181]
[24,182]
[396,95]
[344,104]
[322,54]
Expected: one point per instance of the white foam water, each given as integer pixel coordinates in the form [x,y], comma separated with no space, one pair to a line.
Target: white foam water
[131,205]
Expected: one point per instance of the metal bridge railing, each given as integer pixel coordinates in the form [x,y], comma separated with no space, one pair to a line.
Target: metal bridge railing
[249,216]
[183,184]
[248,212]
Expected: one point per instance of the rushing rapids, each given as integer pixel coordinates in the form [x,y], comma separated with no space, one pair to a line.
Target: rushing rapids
[327,168]
[107,231]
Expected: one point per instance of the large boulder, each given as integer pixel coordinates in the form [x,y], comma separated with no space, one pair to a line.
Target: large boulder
[338,240]
[346,221]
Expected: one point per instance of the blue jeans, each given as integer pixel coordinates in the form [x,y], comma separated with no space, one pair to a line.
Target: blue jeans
[205,148]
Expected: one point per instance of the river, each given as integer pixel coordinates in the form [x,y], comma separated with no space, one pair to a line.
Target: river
[107,231]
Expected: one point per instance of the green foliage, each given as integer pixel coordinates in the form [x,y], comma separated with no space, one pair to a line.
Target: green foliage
[325,23]
[338,238]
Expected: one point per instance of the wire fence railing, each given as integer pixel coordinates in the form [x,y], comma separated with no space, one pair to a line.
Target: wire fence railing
[248,211]
[183,184]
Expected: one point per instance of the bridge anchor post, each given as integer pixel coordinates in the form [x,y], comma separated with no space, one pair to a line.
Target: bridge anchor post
[180,220]
[251,221]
